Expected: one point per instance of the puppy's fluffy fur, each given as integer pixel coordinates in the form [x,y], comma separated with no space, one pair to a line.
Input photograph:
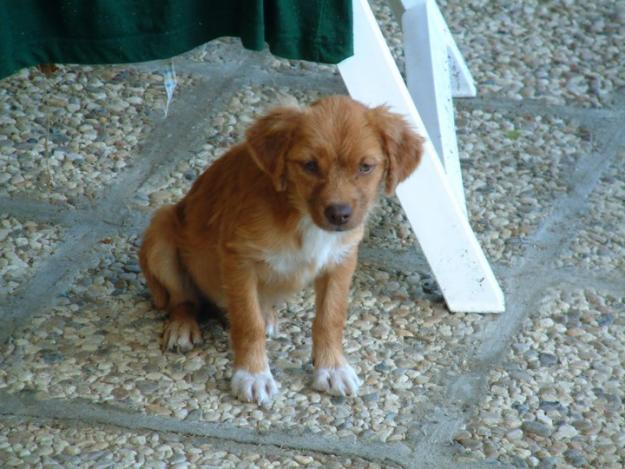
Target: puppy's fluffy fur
[284,208]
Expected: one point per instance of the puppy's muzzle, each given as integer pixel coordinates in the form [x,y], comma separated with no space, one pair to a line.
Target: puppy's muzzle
[338,214]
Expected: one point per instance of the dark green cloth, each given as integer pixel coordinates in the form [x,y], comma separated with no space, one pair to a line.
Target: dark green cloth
[117,31]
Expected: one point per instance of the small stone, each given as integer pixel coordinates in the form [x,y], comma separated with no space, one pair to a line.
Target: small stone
[74,157]
[200,376]
[536,428]
[142,197]
[381,367]
[565,432]
[4,232]
[549,406]
[119,393]
[548,394]
[194,364]
[462,435]
[159,197]
[583,426]
[21,242]
[619,12]
[514,435]
[146,387]
[521,408]
[549,462]
[306,460]
[194,415]
[544,418]
[51,357]
[606,319]
[371,397]
[597,26]
[547,359]
[178,459]
[95,455]
[72,450]
[574,457]
[132,268]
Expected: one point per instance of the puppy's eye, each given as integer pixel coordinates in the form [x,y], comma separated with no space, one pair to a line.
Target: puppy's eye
[310,167]
[365,168]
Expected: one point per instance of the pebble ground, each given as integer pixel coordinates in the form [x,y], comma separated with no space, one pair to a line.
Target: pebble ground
[86,155]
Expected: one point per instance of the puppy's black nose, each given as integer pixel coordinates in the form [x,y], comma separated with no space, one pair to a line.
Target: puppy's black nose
[338,214]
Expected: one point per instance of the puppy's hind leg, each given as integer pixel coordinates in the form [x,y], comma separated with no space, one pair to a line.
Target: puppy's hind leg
[182,331]
[169,283]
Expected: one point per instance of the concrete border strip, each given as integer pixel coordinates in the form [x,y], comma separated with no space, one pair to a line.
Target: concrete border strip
[26,404]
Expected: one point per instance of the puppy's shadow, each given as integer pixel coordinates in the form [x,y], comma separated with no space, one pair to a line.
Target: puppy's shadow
[214,324]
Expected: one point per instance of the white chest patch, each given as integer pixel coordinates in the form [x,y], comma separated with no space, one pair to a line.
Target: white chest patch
[319,249]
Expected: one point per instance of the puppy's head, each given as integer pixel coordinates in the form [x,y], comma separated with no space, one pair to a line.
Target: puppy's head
[333,157]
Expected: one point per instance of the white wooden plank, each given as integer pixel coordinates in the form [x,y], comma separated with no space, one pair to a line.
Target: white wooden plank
[451,249]
[462,82]
[429,82]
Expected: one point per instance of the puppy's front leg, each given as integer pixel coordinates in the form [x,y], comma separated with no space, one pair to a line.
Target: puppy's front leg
[252,379]
[332,372]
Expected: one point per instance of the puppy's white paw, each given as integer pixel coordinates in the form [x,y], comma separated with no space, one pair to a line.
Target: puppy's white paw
[181,335]
[254,387]
[339,381]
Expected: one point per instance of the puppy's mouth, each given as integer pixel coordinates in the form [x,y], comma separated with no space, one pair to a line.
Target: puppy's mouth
[336,229]
[332,228]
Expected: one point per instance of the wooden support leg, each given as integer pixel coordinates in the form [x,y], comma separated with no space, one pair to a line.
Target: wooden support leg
[451,249]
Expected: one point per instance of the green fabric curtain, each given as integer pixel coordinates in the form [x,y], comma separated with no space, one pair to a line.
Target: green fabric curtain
[117,31]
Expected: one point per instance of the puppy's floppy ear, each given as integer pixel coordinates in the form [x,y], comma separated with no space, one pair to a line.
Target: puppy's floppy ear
[269,140]
[402,146]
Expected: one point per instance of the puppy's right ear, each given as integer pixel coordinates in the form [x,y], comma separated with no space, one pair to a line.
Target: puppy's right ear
[269,140]
[402,146]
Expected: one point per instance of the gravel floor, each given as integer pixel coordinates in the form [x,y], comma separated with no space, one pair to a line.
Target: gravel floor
[55,445]
[557,400]
[513,169]
[391,30]
[24,245]
[69,135]
[600,244]
[561,51]
[102,344]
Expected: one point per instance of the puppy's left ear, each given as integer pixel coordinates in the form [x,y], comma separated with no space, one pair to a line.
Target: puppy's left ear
[402,146]
[269,140]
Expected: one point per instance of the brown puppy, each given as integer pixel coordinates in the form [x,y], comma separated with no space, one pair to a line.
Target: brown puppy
[282,209]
